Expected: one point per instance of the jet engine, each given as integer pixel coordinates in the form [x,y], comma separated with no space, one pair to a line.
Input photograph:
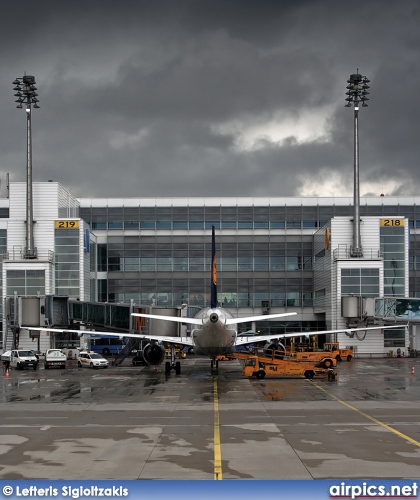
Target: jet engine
[274,345]
[154,353]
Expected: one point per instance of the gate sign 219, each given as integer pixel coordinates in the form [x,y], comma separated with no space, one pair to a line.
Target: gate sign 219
[66,224]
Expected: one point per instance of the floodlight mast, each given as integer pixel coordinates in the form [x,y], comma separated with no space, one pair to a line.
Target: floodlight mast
[356,93]
[26,94]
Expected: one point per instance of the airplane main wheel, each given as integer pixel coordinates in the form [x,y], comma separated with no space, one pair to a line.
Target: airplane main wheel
[167,367]
[177,367]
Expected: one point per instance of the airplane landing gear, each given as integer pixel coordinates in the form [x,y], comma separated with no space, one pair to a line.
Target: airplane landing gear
[172,364]
[176,366]
[214,365]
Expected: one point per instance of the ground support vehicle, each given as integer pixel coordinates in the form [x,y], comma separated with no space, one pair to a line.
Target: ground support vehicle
[321,358]
[54,357]
[179,353]
[277,365]
[21,359]
[138,359]
[333,349]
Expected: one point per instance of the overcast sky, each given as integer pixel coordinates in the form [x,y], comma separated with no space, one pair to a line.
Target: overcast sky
[212,97]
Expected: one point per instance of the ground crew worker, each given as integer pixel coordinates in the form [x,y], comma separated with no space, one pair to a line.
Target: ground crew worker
[6,364]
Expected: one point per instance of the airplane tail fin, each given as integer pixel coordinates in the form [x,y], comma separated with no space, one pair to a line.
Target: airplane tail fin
[213,291]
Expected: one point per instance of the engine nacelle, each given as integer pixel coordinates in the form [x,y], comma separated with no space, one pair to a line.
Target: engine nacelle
[154,354]
[273,346]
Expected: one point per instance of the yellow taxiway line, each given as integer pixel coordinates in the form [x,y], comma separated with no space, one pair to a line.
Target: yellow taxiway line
[373,419]
[217,447]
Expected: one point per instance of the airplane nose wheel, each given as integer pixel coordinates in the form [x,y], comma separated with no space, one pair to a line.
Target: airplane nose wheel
[214,365]
[172,364]
[175,366]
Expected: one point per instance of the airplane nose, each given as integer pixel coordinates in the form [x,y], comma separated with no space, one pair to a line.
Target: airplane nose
[214,318]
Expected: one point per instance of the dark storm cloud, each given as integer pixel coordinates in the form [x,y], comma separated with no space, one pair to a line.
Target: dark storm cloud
[182,98]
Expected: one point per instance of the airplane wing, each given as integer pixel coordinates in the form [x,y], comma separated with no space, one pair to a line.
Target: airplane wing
[176,319]
[187,341]
[261,338]
[263,317]
[199,321]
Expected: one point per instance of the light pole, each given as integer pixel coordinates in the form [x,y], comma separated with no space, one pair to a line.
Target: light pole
[356,93]
[26,94]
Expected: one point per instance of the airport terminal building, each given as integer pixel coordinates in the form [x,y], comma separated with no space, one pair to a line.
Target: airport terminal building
[273,255]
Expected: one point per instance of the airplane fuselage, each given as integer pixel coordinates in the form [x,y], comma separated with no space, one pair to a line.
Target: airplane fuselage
[214,337]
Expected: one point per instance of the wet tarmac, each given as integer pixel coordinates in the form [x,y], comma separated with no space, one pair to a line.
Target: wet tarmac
[136,423]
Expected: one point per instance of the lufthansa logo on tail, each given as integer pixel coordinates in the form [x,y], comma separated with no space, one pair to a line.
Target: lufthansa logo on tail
[214,272]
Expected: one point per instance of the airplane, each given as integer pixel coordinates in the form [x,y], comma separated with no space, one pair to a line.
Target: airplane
[214,333]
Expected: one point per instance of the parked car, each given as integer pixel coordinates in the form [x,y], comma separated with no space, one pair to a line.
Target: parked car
[21,359]
[92,360]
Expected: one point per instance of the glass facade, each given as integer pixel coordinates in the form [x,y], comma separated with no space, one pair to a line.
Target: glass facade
[393,251]
[363,282]
[253,269]
[123,254]
[238,217]
[67,258]
[394,337]
[25,282]
[151,257]
[3,250]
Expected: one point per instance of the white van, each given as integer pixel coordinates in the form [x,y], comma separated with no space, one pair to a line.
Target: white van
[21,359]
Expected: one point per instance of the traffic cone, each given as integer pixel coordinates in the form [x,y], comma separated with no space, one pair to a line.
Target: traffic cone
[7,373]
[412,371]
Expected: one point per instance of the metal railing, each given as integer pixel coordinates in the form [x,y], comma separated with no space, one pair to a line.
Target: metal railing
[346,252]
[19,253]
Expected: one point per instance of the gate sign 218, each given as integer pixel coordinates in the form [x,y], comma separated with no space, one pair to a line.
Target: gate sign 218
[392,222]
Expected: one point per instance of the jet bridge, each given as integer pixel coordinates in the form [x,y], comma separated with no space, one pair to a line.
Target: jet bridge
[397,309]
[24,312]
[404,310]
